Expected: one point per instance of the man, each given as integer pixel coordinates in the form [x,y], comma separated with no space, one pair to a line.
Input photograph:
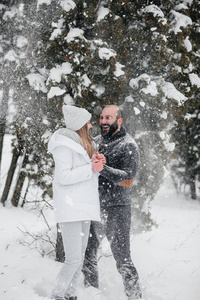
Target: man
[122,159]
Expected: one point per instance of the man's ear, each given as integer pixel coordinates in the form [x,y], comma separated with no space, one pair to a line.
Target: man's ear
[120,121]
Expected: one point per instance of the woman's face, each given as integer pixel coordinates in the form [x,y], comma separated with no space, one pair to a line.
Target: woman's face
[89,125]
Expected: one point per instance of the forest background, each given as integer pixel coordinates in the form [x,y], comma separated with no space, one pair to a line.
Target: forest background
[141,55]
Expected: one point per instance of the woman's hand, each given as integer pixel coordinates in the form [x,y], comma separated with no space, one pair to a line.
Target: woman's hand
[97,165]
[100,157]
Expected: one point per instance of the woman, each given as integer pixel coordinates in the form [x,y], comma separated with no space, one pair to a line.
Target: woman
[75,194]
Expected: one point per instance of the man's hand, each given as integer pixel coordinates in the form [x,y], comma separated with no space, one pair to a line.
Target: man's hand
[126,183]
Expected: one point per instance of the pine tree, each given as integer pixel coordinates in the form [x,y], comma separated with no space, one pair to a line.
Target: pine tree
[186,76]
[30,106]
[7,63]
[88,44]
[86,62]
[10,52]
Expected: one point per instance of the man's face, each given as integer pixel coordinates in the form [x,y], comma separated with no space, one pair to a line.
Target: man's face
[108,121]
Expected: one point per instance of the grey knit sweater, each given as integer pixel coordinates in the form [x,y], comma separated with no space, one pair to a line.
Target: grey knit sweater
[122,160]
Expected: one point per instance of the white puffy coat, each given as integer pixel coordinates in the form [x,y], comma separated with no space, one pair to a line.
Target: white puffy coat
[75,185]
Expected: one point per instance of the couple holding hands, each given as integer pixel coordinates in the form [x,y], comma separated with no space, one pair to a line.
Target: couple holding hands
[92,197]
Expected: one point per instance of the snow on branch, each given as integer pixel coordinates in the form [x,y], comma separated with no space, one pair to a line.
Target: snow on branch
[134,82]
[10,55]
[154,9]
[118,71]
[194,79]
[12,12]
[37,82]
[57,72]
[67,5]
[187,44]
[55,34]
[55,91]
[150,88]
[74,33]
[40,2]
[172,93]
[179,20]
[2,6]
[151,85]
[102,12]
[105,53]
[21,41]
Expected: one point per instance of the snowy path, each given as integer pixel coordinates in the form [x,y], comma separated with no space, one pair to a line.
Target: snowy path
[167,258]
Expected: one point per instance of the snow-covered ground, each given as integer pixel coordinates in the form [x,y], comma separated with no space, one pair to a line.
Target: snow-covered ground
[167,258]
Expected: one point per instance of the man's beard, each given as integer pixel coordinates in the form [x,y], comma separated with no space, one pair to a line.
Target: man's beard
[112,129]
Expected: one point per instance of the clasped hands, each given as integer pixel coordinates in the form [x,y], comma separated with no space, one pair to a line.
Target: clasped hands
[98,160]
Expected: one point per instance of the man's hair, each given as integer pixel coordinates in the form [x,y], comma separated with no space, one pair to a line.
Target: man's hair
[119,111]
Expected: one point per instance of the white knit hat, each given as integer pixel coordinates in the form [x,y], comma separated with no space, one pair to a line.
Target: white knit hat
[75,117]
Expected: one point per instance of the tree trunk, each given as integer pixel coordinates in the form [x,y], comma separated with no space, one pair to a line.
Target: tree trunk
[193,187]
[10,175]
[19,184]
[24,199]
[60,253]
[3,114]
[18,189]
[2,132]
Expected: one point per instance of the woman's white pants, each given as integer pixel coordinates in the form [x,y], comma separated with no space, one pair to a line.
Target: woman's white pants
[75,238]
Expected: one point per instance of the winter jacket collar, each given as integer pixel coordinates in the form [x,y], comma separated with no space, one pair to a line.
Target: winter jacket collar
[58,139]
[71,134]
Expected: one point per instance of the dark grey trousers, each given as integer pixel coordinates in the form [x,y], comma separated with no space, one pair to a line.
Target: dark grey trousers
[116,226]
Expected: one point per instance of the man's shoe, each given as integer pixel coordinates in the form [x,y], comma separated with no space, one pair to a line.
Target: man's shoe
[136,296]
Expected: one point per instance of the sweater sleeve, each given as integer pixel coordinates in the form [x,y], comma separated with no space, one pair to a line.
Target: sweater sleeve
[64,172]
[128,168]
